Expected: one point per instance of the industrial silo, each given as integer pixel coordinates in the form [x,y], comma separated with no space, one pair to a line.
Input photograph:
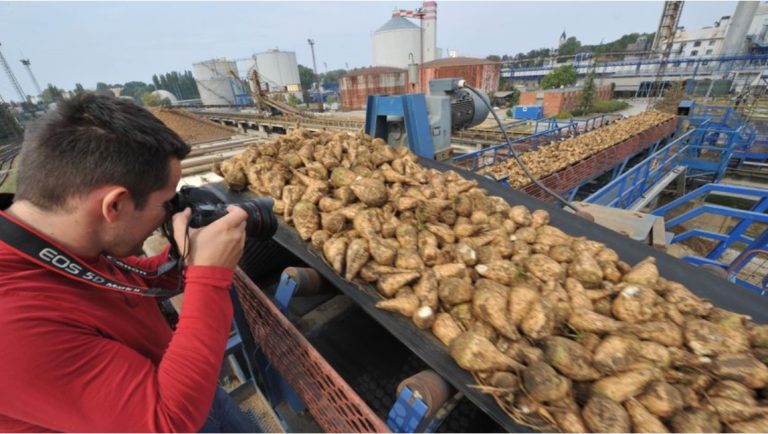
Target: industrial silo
[217,84]
[395,42]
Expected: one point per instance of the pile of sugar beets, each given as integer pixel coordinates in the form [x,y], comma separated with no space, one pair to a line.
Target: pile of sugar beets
[563,333]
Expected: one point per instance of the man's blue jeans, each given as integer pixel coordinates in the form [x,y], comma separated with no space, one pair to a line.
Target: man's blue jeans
[226,416]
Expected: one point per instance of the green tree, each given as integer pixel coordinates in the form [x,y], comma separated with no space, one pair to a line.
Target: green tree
[79,88]
[9,125]
[292,100]
[150,99]
[136,89]
[306,77]
[493,57]
[332,76]
[587,96]
[570,47]
[51,94]
[561,76]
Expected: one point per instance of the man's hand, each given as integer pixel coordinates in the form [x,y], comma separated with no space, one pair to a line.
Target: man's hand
[220,244]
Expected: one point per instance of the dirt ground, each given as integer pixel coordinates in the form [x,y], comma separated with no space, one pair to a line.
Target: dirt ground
[193,129]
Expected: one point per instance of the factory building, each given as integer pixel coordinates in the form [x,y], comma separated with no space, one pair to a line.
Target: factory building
[377,80]
[729,35]
[479,73]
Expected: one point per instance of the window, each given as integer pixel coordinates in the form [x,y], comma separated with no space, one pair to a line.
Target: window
[697,44]
[695,53]
[709,52]
[711,43]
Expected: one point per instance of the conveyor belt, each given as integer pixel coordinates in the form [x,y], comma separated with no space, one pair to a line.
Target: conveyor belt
[719,291]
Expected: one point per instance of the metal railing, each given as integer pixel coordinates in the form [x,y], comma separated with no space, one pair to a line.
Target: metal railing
[750,270]
[629,187]
[729,240]
[554,130]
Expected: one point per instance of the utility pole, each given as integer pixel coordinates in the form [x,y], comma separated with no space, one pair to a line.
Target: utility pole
[314,68]
[27,64]
[12,78]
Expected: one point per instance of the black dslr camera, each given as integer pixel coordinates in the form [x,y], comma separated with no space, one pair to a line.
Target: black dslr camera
[207,207]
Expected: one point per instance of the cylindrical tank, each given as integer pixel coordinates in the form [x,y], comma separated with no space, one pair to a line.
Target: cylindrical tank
[216,83]
[277,69]
[378,80]
[735,37]
[479,73]
[397,43]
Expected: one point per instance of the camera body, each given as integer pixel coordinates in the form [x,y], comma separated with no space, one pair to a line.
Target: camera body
[207,207]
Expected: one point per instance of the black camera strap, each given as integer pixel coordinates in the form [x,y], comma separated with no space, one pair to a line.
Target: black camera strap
[34,247]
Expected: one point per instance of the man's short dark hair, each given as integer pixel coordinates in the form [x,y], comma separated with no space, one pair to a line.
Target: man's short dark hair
[93,140]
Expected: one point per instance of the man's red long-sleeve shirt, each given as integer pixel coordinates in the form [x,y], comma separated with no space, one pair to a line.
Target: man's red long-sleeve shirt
[75,357]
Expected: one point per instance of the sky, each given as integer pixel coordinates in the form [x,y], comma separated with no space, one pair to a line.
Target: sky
[116,42]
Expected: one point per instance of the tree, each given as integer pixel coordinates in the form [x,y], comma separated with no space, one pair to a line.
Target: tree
[292,100]
[51,94]
[9,126]
[154,100]
[79,88]
[182,85]
[570,47]
[562,76]
[306,77]
[493,57]
[332,76]
[136,89]
[587,97]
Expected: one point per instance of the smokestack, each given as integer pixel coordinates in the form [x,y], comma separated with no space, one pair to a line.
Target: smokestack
[429,27]
[735,36]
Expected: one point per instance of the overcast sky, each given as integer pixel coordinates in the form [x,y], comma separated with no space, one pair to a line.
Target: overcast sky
[116,42]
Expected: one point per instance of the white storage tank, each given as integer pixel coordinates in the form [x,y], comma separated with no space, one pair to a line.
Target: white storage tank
[395,41]
[278,69]
[216,84]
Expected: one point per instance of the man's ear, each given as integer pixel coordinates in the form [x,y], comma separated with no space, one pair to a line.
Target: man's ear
[116,201]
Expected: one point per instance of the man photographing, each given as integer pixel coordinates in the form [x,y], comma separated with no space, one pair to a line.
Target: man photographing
[83,344]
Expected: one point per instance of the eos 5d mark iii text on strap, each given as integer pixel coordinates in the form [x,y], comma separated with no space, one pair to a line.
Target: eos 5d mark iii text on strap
[45,253]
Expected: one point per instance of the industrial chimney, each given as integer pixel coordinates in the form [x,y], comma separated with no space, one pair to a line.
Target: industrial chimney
[429,27]
[735,36]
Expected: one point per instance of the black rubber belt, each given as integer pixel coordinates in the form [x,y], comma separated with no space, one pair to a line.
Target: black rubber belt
[719,291]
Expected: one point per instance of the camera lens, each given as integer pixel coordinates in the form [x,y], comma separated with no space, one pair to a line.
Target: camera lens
[262,223]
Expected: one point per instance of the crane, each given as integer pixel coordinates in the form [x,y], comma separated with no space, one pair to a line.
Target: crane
[27,64]
[12,78]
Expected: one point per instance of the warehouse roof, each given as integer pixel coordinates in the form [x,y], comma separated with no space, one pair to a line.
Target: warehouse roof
[397,23]
[373,70]
[459,61]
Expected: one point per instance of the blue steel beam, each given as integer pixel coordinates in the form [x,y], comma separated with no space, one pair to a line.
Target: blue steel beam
[717,210]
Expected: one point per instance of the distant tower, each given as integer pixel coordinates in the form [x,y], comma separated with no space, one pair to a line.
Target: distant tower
[563,38]
[429,27]
[27,64]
